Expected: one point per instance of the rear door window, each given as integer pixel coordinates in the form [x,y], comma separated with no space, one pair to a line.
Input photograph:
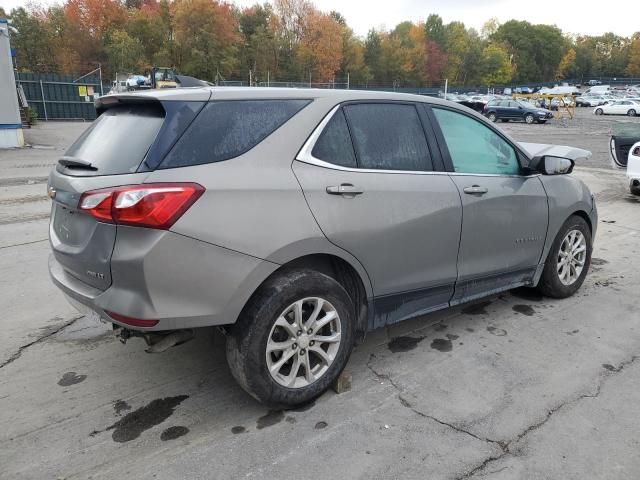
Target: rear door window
[118,140]
[334,144]
[388,136]
[227,129]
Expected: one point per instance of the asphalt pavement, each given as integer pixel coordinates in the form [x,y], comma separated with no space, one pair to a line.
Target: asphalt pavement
[515,386]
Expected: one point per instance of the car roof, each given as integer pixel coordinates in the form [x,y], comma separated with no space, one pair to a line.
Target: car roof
[246,93]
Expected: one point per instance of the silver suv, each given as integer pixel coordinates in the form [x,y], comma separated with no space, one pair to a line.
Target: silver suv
[298,220]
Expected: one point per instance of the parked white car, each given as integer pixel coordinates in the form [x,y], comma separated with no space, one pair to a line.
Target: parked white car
[620,107]
[633,169]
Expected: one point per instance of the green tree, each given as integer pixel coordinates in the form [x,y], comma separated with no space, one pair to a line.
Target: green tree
[124,53]
[434,28]
[33,42]
[633,67]
[496,69]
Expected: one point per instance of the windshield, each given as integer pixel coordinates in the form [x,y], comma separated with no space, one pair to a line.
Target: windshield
[119,139]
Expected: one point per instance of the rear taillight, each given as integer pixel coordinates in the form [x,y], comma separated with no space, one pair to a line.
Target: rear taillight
[153,205]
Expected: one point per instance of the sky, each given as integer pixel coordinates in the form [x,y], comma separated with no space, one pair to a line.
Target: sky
[572,16]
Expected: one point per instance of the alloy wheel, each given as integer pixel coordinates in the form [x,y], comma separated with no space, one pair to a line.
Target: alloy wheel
[303,342]
[572,257]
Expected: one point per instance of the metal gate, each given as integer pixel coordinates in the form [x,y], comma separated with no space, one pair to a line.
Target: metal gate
[58,97]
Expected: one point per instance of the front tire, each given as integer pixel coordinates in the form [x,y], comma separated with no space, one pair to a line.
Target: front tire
[631,113]
[568,260]
[634,188]
[292,339]
[528,118]
[599,111]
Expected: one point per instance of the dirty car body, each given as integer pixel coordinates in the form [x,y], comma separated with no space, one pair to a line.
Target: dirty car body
[198,207]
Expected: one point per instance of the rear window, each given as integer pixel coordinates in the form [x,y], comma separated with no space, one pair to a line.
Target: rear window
[118,140]
[227,129]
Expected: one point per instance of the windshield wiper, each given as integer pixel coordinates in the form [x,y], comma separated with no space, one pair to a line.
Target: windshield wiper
[75,162]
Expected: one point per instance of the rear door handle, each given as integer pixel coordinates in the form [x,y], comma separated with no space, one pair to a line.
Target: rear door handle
[475,190]
[344,189]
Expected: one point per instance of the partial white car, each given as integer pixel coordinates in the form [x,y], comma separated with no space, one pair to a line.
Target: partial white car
[620,107]
[633,169]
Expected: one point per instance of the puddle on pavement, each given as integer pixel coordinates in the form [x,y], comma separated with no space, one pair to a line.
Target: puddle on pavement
[238,429]
[404,344]
[154,413]
[321,425]
[527,310]
[450,336]
[498,332]
[573,332]
[598,261]
[442,345]
[611,368]
[270,419]
[172,433]
[290,420]
[470,330]
[120,406]
[71,378]
[476,308]
[439,327]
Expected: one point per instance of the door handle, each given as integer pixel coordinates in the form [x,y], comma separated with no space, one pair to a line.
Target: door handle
[475,190]
[344,189]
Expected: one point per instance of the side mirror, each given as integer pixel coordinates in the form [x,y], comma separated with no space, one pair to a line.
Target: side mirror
[550,165]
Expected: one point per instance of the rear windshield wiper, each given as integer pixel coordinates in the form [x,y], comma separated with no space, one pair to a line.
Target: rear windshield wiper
[75,162]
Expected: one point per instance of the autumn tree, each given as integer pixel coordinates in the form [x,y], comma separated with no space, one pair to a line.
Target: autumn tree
[206,36]
[320,49]
[567,64]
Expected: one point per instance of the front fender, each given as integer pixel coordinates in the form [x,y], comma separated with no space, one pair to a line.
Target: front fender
[567,195]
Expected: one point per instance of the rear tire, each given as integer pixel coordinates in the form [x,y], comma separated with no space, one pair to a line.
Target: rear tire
[560,277]
[492,117]
[259,371]
[528,118]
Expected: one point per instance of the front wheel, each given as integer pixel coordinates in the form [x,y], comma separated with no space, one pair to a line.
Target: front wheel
[634,187]
[293,338]
[631,113]
[568,260]
[528,118]
[599,111]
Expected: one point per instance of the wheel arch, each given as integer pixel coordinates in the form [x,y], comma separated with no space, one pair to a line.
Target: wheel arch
[333,262]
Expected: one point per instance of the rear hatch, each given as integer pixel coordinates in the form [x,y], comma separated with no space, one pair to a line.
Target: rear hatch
[109,153]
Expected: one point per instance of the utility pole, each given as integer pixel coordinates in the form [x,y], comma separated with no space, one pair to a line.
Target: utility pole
[446,86]
[348,79]
[268,78]
[249,77]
